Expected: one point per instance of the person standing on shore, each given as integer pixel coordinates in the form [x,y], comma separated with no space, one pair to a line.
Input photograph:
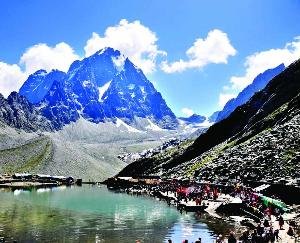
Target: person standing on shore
[281,222]
[199,240]
[231,238]
[260,229]
[290,231]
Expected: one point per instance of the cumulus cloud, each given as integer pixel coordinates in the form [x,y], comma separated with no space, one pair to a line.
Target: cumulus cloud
[133,39]
[42,56]
[261,61]
[258,63]
[187,111]
[11,78]
[215,48]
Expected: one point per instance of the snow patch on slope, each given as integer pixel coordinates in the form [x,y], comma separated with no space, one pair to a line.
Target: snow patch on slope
[153,126]
[103,89]
[143,90]
[119,62]
[86,83]
[131,86]
[120,123]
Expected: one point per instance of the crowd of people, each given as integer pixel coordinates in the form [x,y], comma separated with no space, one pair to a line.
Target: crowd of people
[264,232]
[189,191]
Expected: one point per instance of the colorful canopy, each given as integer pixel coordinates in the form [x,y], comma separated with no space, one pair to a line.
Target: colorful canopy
[277,203]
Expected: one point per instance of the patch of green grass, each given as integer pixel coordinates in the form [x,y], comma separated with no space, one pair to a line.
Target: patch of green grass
[229,145]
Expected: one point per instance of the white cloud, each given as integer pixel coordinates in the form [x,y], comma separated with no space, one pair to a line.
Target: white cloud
[215,48]
[261,61]
[258,63]
[42,56]
[134,40]
[187,111]
[11,78]
[223,98]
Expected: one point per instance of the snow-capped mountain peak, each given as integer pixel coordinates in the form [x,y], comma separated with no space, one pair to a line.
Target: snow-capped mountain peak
[102,87]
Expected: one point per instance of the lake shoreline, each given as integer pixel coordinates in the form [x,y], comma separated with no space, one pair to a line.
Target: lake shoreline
[219,201]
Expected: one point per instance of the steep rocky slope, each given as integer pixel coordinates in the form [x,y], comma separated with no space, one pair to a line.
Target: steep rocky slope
[16,111]
[267,111]
[270,155]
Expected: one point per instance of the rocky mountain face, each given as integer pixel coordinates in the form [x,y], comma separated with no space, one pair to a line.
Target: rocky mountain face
[39,83]
[16,111]
[258,84]
[102,87]
[259,139]
[193,119]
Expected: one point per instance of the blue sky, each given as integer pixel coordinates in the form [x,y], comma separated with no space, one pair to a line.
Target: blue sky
[242,38]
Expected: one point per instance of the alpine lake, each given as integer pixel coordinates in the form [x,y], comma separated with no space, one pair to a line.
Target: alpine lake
[95,214]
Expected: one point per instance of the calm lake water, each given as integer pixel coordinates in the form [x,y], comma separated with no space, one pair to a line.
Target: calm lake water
[94,214]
